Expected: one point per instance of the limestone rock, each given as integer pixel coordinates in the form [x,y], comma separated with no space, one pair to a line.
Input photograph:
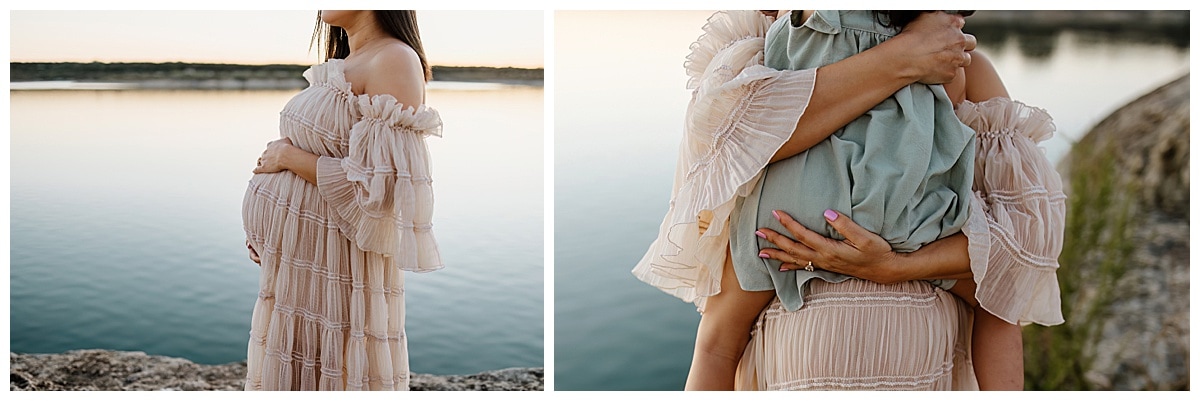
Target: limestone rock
[108,370]
[1143,338]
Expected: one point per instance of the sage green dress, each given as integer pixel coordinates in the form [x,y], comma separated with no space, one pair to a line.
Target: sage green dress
[902,170]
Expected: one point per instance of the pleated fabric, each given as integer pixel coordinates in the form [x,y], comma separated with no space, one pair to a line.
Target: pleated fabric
[860,335]
[330,310]
[1018,214]
[740,114]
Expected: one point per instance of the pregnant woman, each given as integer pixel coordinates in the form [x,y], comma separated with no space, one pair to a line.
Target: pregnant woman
[743,116]
[338,206]
[850,334]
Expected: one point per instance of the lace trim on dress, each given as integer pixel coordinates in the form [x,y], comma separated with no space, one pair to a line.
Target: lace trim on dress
[740,114]
[1018,213]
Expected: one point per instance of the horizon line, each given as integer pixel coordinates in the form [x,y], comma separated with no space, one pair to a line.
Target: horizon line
[253,64]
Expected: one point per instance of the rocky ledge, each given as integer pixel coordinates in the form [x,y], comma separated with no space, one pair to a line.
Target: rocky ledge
[125,370]
[1126,266]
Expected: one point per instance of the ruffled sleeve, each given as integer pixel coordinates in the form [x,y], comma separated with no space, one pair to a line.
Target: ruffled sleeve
[1015,232]
[740,114]
[381,191]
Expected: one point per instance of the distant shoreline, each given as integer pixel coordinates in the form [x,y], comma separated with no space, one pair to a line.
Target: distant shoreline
[96,75]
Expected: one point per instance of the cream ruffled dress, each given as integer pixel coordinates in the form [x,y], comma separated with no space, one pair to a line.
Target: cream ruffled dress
[855,334]
[330,310]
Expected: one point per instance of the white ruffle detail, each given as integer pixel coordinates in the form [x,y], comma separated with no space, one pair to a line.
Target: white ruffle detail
[1018,213]
[723,29]
[382,190]
[740,114]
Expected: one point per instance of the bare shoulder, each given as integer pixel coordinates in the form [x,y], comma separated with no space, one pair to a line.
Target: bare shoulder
[983,82]
[395,69]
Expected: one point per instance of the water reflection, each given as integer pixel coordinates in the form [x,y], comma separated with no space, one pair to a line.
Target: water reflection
[126,224]
[1037,33]
[1039,43]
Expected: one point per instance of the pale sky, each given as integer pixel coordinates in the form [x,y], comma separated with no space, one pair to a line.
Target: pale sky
[452,38]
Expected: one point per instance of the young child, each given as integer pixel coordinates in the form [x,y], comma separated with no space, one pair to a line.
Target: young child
[903,171]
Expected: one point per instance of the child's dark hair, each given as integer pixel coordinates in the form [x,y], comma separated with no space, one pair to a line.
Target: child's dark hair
[901,18]
[888,18]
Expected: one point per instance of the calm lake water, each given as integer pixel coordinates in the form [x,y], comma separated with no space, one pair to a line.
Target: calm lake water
[126,227]
[619,105]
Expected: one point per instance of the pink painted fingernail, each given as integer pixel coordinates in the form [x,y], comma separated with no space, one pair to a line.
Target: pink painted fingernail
[782,269]
[775,213]
[760,234]
[830,215]
[764,255]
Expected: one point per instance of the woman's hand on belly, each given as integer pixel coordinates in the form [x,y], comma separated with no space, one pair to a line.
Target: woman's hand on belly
[253,255]
[282,155]
[272,160]
[862,254]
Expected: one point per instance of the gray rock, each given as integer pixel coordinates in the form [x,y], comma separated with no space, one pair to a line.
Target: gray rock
[108,370]
[1143,341]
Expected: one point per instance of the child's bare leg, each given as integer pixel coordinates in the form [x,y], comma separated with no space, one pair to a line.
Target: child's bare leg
[995,346]
[724,332]
[996,350]
[965,290]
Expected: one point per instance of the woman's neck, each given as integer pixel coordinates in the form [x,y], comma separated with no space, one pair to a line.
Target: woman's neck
[363,33]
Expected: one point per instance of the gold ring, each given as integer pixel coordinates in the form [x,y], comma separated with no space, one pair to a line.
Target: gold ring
[809,266]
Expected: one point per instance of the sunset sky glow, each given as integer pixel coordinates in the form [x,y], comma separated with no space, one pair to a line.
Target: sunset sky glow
[454,38]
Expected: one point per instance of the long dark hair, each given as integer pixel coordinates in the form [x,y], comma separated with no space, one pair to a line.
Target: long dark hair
[901,18]
[399,24]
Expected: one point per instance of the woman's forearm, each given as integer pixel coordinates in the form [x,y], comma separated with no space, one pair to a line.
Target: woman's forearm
[301,163]
[945,258]
[846,90]
[930,50]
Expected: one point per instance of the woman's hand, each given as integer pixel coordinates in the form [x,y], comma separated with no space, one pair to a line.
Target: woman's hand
[273,159]
[253,255]
[930,50]
[936,45]
[862,254]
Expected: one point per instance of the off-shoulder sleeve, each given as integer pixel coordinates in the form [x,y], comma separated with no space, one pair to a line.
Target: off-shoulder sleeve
[382,191]
[1015,232]
[740,114]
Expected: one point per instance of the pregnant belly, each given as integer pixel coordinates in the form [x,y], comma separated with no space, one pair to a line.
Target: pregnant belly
[269,200]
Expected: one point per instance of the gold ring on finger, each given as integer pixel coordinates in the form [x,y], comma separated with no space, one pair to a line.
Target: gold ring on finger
[809,266]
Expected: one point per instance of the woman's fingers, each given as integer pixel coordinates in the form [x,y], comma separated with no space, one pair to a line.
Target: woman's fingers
[856,235]
[864,247]
[794,255]
[271,160]
[253,255]
[939,46]
[796,259]
[799,231]
[780,240]
[957,20]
